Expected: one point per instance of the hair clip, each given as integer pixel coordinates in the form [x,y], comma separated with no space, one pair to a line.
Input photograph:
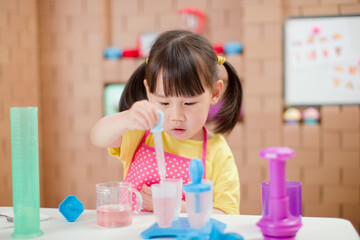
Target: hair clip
[221,60]
[146,60]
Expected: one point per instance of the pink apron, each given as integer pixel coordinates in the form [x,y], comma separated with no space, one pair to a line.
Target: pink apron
[144,170]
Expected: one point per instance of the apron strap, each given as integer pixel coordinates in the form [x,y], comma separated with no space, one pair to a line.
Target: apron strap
[145,136]
[203,158]
[142,140]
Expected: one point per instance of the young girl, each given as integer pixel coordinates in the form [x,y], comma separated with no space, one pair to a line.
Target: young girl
[180,77]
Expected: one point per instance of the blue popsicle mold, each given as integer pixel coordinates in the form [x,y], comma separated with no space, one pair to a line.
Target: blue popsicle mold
[71,208]
[180,230]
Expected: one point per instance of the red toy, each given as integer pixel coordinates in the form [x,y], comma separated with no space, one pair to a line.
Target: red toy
[192,19]
[219,48]
[130,53]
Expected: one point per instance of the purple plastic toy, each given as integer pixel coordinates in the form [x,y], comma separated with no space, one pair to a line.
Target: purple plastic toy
[293,191]
[279,223]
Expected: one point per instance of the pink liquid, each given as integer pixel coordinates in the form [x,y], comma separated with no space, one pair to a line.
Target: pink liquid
[164,210]
[114,216]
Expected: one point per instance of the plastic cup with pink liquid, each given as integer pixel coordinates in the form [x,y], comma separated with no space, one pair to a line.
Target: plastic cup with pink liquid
[114,204]
[164,196]
[178,184]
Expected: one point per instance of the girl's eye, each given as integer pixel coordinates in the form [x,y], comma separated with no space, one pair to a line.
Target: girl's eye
[190,103]
[164,103]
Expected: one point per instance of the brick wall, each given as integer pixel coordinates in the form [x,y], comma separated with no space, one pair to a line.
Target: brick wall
[71,81]
[73,74]
[19,76]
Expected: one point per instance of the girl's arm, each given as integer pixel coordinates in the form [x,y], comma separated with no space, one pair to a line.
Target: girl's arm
[217,211]
[108,130]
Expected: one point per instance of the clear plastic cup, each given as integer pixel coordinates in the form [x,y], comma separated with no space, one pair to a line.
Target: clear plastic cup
[165,203]
[199,208]
[293,191]
[178,183]
[211,198]
[114,204]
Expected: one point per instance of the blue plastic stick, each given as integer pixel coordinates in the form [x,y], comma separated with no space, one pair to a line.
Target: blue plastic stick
[196,171]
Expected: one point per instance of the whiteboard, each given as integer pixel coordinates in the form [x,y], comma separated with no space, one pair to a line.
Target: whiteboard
[322,61]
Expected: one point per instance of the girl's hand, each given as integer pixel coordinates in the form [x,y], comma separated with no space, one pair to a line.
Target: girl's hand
[183,206]
[142,115]
[146,195]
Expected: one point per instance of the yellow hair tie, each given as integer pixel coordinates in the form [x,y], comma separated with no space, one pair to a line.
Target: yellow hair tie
[221,60]
[146,60]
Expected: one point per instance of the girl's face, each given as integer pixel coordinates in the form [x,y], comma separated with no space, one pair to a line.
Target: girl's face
[184,117]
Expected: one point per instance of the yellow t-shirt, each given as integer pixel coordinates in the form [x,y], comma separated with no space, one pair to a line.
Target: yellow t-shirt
[220,163]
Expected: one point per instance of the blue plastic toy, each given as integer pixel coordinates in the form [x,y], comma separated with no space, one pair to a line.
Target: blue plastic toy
[113,53]
[232,48]
[196,171]
[218,234]
[71,208]
[180,229]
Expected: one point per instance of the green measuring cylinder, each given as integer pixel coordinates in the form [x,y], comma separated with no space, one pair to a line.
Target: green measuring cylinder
[25,172]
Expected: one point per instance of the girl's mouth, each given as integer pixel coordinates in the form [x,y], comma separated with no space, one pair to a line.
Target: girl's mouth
[178,131]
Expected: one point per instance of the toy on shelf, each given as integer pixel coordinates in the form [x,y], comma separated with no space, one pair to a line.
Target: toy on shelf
[130,53]
[219,48]
[113,53]
[279,223]
[232,48]
[311,116]
[145,42]
[71,208]
[292,116]
[192,20]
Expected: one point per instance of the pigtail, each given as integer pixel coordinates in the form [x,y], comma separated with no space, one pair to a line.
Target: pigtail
[134,89]
[228,115]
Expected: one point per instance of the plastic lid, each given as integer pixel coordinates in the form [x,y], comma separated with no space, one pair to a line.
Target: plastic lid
[196,171]
[278,153]
[159,127]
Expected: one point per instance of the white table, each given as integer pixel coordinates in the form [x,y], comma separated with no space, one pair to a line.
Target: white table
[55,226]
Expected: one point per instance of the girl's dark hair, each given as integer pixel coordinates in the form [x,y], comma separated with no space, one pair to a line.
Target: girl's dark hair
[188,63]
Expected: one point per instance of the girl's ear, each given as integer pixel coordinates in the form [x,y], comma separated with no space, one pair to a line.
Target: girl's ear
[147,88]
[216,92]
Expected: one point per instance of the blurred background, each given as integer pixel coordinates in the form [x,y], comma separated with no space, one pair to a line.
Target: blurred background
[52,56]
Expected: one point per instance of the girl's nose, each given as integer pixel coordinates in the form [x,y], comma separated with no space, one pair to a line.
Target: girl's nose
[177,114]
